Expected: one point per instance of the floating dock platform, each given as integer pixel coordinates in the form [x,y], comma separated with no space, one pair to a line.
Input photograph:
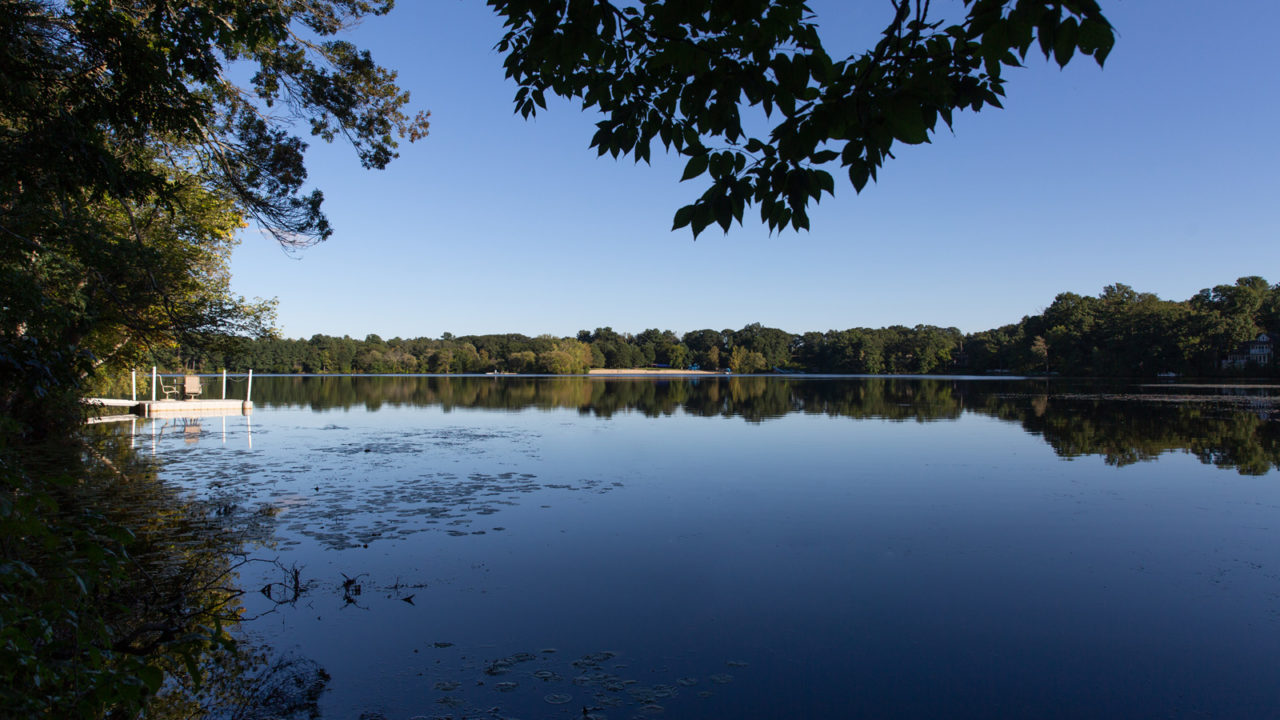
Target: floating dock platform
[191,407]
[178,408]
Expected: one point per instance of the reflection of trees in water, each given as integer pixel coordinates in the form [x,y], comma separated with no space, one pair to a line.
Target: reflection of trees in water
[1122,431]
[1126,432]
[751,397]
[247,685]
[134,589]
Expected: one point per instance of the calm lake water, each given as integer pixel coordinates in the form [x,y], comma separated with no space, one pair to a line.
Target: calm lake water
[756,547]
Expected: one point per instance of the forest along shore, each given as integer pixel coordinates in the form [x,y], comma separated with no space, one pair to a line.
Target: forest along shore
[1223,331]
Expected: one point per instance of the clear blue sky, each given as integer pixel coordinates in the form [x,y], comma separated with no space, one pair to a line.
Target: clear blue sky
[1161,171]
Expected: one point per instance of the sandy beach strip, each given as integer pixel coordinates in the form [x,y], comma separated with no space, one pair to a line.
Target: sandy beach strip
[649,371]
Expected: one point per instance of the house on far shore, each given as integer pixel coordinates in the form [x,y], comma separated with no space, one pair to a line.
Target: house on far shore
[1258,353]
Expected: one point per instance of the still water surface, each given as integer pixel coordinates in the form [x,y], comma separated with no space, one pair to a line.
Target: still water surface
[757,547]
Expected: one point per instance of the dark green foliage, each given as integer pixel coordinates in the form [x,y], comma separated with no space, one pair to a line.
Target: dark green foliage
[1125,333]
[464,354]
[96,87]
[699,77]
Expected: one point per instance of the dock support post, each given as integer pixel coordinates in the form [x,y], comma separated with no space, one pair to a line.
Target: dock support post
[134,395]
[248,390]
[224,383]
[153,383]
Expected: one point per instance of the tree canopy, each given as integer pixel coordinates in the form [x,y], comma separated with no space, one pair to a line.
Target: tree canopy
[136,139]
[746,90]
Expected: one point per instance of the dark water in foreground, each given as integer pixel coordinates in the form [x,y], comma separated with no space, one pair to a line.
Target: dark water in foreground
[758,547]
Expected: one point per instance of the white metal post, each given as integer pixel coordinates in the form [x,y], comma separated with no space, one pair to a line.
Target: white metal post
[134,395]
[248,390]
[153,383]
[224,383]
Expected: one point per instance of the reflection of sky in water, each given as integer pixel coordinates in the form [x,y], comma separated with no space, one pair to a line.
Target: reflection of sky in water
[706,567]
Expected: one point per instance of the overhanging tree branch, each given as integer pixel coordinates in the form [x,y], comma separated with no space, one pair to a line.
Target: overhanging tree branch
[684,72]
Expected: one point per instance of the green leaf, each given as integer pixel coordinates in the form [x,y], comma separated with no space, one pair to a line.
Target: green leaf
[152,677]
[701,218]
[1064,46]
[859,174]
[906,121]
[683,217]
[781,65]
[1096,38]
[1100,55]
[1092,34]
[724,212]
[786,103]
[825,182]
[696,166]
[1047,29]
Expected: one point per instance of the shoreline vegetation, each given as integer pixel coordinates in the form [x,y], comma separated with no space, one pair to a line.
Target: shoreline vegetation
[1118,333]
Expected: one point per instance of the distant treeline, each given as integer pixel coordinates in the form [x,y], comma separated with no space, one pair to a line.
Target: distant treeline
[1121,332]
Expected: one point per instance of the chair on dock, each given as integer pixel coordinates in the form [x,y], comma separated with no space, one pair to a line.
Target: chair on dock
[169,390]
[191,386]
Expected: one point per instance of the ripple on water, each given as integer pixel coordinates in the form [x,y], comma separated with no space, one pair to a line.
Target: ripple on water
[603,685]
